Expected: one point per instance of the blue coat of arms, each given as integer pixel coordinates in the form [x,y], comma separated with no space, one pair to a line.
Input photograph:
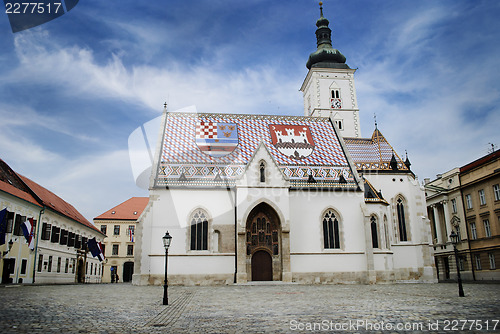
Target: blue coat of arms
[216,139]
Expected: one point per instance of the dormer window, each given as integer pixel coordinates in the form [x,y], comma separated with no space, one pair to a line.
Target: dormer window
[262,170]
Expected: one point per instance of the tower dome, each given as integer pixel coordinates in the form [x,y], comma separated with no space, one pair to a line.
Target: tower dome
[325,56]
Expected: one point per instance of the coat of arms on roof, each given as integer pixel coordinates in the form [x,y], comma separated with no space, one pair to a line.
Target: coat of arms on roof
[294,141]
[216,139]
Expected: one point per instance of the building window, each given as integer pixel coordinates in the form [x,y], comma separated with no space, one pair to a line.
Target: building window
[59,264]
[457,228]
[17,225]
[491,257]
[373,224]
[103,247]
[335,100]
[73,265]
[66,266]
[71,239]
[468,201]
[131,232]
[477,259]
[24,264]
[403,236]
[49,267]
[40,263]
[64,237]
[482,197]
[331,233]
[114,250]
[496,192]
[116,230]
[487,228]
[104,229]
[473,231]
[461,263]
[10,222]
[454,205]
[56,232]
[262,170]
[46,228]
[130,250]
[199,231]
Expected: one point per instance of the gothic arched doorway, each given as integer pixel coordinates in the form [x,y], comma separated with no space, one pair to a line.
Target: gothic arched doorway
[263,244]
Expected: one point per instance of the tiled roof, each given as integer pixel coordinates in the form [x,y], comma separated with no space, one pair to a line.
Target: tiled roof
[26,189]
[12,184]
[131,209]
[54,202]
[196,151]
[372,195]
[481,161]
[373,153]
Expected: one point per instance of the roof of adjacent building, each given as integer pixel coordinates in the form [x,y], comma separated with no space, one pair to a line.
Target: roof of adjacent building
[300,146]
[481,161]
[131,209]
[374,153]
[28,190]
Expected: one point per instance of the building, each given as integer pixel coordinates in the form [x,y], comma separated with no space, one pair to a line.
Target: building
[467,201]
[59,252]
[284,198]
[118,224]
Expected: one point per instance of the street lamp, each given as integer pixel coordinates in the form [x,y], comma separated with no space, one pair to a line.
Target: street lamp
[10,244]
[454,241]
[167,239]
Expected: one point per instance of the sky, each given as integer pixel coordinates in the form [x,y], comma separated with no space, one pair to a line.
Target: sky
[74,89]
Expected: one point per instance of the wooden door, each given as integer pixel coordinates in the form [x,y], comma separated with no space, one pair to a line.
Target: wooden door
[262,266]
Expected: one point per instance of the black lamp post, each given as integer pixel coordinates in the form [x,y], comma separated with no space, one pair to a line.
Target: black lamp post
[167,238]
[454,241]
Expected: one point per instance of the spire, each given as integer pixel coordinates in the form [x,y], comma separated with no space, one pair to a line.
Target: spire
[325,56]
[407,161]
[394,163]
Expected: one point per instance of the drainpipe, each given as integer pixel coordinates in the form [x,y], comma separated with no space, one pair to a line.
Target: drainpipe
[235,236]
[37,230]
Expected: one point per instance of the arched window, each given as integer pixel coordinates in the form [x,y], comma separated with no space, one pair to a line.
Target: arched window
[331,233]
[262,170]
[199,231]
[401,220]
[373,225]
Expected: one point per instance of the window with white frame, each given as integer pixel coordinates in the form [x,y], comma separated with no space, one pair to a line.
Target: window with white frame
[400,206]
[468,201]
[482,197]
[374,229]
[491,257]
[473,231]
[454,205]
[496,192]
[461,263]
[487,228]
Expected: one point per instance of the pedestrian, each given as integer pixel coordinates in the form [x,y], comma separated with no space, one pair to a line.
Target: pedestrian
[117,278]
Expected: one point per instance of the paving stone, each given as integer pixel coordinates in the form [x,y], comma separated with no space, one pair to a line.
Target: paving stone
[280,308]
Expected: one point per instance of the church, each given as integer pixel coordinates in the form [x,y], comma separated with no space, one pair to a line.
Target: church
[301,199]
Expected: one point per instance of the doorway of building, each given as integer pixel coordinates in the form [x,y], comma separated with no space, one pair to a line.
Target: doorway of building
[128,271]
[8,269]
[80,271]
[262,266]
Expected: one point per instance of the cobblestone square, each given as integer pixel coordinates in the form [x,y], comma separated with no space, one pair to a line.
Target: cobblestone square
[261,308]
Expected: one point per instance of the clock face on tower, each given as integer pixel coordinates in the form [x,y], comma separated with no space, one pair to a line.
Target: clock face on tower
[336,103]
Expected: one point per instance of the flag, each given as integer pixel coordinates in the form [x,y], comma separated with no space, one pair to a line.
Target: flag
[131,234]
[3,225]
[28,228]
[95,248]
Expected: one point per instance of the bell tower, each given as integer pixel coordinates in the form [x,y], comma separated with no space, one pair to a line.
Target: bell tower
[329,85]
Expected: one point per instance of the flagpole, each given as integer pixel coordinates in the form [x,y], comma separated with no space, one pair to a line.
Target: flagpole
[36,242]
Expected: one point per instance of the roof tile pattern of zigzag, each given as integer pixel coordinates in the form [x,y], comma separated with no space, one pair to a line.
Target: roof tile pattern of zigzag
[327,160]
[373,153]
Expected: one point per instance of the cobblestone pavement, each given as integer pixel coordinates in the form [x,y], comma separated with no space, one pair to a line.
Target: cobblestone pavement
[280,308]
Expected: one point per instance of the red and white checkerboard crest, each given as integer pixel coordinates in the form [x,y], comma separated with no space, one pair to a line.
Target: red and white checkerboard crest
[294,141]
[216,139]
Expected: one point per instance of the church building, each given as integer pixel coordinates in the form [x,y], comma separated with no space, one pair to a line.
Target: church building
[284,198]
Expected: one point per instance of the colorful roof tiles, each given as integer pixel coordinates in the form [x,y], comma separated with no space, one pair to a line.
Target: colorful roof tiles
[373,153]
[200,148]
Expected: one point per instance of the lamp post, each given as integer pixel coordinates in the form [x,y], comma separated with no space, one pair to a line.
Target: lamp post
[10,244]
[167,238]
[454,241]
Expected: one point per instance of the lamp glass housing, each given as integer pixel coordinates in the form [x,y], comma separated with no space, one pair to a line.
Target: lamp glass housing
[167,239]
[454,237]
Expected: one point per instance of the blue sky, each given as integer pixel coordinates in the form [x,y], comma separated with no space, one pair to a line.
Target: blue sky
[74,89]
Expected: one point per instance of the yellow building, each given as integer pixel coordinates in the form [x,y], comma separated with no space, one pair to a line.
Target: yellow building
[59,253]
[118,224]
